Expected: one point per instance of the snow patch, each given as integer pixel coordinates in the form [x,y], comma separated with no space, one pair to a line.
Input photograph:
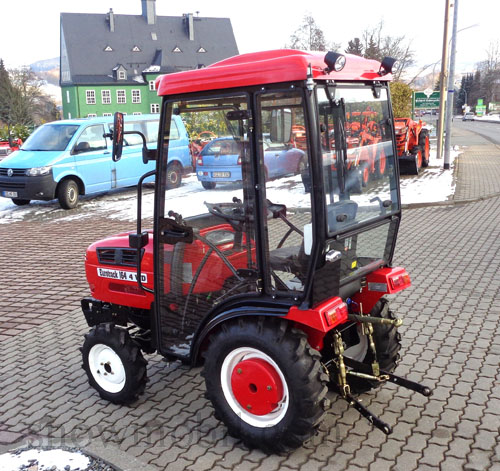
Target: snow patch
[53,460]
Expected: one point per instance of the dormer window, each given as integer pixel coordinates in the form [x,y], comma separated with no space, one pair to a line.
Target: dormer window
[176,49]
[201,49]
[108,49]
[136,49]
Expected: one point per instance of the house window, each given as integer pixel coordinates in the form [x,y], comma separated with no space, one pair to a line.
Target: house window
[120,97]
[108,49]
[122,75]
[136,96]
[90,95]
[152,86]
[155,108]
[69,115]
[201,49]
[154,37]
[107,114]
[106,97]
[136,49]
[91,115]
[67,96]
[176,49]
[137,113]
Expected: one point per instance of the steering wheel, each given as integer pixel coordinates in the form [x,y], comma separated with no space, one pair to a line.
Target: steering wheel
[229,211]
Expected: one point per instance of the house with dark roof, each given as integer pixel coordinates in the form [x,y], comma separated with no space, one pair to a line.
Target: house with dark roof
[109,62]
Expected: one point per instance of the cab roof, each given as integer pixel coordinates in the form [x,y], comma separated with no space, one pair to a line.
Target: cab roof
[259,68]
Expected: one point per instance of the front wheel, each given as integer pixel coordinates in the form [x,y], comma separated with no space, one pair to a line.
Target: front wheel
[174,175]
[67,194]
[20,202]
[265,383]
[114,364]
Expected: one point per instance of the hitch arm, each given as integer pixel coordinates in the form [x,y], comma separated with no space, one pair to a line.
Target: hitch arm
[372,418]
[408,384]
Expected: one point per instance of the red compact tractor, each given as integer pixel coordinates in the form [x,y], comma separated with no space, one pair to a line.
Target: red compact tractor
[278,293]
[412,142]
[7,147]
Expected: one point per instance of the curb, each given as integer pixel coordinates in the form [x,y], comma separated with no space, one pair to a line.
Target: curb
[449,203]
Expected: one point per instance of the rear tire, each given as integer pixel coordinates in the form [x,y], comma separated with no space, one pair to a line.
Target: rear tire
[417,154]
[265,383]
[209,185]
[174,175]
[68,194]
[387,341]
[20,202]
[114,364]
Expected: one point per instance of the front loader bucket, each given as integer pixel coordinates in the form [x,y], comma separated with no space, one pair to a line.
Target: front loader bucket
[408,164]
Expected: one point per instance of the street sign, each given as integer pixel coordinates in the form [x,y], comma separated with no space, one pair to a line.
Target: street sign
[421,100]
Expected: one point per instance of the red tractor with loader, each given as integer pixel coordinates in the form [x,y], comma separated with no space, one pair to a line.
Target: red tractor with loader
[412,142]
[278,293]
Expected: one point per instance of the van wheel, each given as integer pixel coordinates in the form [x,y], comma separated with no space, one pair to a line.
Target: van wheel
[67,194]
[20,202]
[208,185]
[174,175]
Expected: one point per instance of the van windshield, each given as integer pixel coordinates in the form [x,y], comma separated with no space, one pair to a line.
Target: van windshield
[51,137]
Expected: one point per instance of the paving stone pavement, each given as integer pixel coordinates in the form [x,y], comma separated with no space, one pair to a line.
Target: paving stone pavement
[451,342]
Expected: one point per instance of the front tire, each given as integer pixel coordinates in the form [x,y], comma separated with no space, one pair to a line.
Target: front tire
[265,383]
[174,175]
[20,202]
[67,194]
[424,144]
[114,364]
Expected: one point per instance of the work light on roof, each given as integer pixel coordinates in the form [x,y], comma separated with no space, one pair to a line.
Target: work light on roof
[388,66]
[334,61]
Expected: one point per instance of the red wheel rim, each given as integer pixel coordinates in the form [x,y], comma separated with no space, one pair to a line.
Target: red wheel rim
[257,386]
[365,174]
[419,159]
[382,163]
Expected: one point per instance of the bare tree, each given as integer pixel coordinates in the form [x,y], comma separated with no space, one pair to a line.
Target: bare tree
[310,37]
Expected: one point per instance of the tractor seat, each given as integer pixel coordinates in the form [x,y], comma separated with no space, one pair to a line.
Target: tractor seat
[290,259]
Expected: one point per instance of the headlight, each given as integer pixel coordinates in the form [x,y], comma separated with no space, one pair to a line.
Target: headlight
[38,171]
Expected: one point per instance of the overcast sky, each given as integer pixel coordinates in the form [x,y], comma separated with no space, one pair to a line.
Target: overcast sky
[30,28]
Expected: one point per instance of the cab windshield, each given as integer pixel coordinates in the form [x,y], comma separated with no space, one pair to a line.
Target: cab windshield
[50,137]
[358,157]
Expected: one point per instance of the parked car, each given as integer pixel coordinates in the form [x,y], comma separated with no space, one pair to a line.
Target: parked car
[469,116]
[7,147]
[66,159]
[220,161]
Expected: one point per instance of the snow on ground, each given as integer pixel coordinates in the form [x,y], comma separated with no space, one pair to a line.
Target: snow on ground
[494,117]
[432,185]
[53,460]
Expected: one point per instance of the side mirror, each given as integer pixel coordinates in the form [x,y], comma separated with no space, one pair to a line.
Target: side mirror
[117,136]
[81,147]
[281,125]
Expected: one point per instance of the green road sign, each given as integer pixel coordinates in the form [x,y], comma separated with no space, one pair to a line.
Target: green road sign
[423,100]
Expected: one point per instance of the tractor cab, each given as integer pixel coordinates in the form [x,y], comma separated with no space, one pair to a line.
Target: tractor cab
[271,260]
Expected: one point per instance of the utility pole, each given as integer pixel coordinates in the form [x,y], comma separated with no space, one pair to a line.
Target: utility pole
[451,89]
[443,80]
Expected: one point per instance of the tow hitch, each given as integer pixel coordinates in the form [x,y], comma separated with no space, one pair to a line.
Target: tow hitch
[344,366]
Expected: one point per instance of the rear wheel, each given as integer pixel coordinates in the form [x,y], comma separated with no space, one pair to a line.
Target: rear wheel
[67,194]
[114,364]
[424,144]
[265,383]
[387,344]
[174,175]
[380,165]
[208,185]
[20,202]
[417,155]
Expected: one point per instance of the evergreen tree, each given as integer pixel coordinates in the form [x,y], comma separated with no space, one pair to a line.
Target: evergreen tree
[355,47]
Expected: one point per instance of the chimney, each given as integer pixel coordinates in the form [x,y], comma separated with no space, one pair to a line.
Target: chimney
[190,25]
[110,17]
[149,11]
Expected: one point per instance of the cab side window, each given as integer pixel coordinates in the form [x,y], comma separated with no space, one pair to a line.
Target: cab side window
[91,140]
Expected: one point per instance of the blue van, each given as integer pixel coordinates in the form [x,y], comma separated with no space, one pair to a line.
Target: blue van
[66,159]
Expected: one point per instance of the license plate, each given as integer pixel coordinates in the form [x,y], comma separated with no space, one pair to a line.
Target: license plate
[221,174]
[9,194]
